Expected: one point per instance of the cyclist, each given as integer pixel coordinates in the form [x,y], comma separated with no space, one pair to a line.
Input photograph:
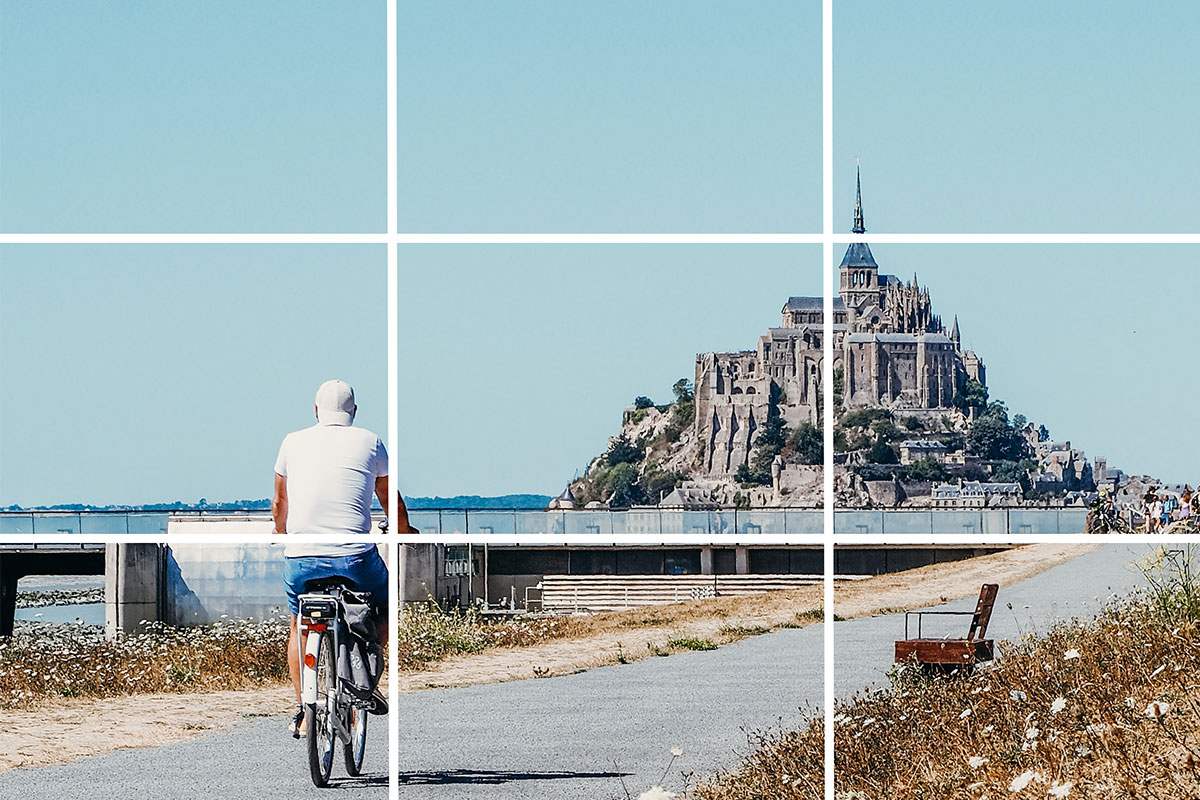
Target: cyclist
[325,476]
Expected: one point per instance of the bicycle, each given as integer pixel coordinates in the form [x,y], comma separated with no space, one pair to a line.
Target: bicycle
[334,711]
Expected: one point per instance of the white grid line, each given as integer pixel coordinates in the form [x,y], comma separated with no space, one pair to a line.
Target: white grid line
[828,238]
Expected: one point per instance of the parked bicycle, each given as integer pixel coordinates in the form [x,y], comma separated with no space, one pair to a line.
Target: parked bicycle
[341,663]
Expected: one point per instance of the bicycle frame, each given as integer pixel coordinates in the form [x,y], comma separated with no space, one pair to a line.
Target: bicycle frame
[319,617]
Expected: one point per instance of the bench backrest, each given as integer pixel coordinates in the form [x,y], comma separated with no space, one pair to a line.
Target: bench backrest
[983,611]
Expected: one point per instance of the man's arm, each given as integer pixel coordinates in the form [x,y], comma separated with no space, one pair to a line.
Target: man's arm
[381,491]
[279,504]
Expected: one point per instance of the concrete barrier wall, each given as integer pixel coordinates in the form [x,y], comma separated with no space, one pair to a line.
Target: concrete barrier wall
[211,581]
[208,581]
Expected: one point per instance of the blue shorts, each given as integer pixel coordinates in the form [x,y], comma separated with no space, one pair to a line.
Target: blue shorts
[365,572]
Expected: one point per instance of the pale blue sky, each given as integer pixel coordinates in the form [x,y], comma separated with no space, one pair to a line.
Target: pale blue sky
[222,116]
[152,373]
[517,361]
[1068,116]
[673,116]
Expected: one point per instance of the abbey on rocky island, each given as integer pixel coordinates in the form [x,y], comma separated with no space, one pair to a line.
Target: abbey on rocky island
[890,351]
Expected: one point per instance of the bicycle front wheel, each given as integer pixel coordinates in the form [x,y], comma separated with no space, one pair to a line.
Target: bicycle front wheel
[318,716]
[357,746]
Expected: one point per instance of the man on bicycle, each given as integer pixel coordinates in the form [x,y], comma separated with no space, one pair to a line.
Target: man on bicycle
[325,476]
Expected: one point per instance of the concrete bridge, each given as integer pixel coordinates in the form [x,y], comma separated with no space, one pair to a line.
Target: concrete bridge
[182,584]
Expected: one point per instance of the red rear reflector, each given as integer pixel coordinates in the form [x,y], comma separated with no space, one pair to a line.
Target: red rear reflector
[310,660]
[319,627]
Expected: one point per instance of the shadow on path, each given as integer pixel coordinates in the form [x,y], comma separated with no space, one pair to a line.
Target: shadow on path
[361,782]
[495,778]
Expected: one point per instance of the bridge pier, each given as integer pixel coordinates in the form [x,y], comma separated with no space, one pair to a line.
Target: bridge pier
[8,598]
[135,586]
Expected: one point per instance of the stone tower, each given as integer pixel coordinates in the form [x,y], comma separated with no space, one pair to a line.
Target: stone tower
[859,272]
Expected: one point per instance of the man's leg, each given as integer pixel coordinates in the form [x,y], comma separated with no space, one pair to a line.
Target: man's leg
[293,657]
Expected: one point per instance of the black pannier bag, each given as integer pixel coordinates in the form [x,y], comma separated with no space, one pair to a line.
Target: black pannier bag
[360,662]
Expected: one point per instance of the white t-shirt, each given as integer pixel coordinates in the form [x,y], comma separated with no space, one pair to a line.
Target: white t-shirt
[331,472]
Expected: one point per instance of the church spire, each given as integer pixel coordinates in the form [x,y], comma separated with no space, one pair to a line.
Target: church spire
[859,227]
[955,336]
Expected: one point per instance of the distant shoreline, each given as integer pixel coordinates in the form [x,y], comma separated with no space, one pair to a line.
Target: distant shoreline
[519,502]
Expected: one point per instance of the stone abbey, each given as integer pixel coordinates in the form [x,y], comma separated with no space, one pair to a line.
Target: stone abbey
[890,351]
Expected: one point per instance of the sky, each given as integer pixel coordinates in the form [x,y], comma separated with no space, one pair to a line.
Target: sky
[154,373]
[516,362]
[221,116]
[622,116]
[1023,116]
[527,355]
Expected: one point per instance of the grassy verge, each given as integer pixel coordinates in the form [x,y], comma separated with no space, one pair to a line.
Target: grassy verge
[45,661]
[428,634]
[1108,708]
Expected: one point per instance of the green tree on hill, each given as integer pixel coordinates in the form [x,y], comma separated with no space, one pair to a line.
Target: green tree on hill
[973,394]
[992,437]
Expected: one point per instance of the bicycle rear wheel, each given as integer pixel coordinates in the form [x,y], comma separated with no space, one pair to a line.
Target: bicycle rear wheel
[356,748]
[318,716]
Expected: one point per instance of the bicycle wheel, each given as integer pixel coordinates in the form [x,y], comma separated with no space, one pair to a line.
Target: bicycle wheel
[354,749]
[318,716]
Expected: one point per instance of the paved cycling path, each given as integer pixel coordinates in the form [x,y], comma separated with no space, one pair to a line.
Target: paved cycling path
[863,648]
[575,736]
[258,760]
[578,736]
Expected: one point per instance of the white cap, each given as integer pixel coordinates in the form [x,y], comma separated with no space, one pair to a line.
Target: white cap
[335,403]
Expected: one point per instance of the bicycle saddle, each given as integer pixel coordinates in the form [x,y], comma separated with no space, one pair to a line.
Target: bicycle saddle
[323,584]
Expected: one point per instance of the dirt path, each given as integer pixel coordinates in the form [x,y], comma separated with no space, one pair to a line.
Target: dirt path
[64,730]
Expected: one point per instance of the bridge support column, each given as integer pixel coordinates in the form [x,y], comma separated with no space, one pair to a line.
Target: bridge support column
[741,561]
[706,561]
[9,575]
[417,566]
[134,586]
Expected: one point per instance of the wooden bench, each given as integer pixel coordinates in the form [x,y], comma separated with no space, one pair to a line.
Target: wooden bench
[945,653]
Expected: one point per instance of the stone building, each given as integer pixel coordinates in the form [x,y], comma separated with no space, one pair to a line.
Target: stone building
[890,350]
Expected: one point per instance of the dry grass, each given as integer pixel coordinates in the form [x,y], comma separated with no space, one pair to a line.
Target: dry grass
[428,634]
[45,661]
[785,765]
[1105,708]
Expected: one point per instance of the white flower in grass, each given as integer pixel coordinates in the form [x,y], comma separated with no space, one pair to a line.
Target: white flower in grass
[1070,654]
[1060,789]
[1058,705]
[975,762]
[1018,695]
[1158,709]
[966,713]
[657,793]
[1032,733]
[1024,779]
[677,751]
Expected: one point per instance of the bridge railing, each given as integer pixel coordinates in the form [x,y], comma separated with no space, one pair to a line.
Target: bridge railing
[99,523]
[750,522]
[649,521]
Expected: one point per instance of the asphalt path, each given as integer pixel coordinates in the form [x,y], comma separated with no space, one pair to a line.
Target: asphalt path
[863,648]
[597,733]
[592,734]
[258,759]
